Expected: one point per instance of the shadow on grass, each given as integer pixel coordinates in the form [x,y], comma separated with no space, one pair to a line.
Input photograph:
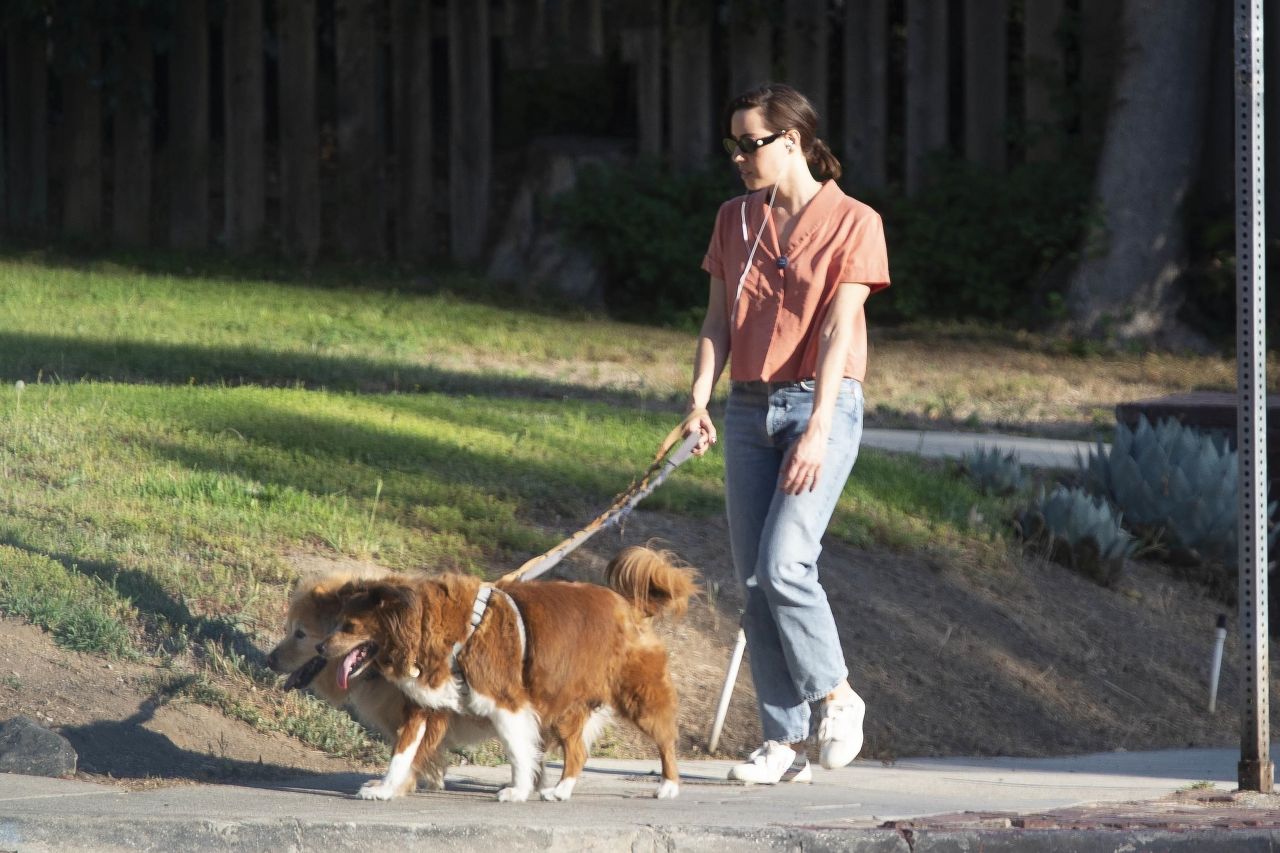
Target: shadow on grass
[438,472]
[68,358]
[162,613]
[213,266]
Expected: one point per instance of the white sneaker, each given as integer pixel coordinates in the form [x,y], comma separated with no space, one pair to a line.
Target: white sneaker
[772,763]
[840,732]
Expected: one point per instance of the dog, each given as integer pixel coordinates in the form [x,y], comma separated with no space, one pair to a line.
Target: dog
[554,658]
[313,613]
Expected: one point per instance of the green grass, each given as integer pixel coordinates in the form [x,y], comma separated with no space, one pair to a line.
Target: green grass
[178,438]
[107,322]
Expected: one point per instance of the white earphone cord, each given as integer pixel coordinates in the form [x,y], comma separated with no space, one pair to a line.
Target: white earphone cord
[750,255]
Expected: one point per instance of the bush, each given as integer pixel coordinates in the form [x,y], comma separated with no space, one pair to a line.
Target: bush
[649,227]
[973,244]
[1080,531]
[977,245]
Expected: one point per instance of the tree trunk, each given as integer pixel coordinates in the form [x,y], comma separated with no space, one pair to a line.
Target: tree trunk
[27,83]
[189,127]
[411,31]
[1127,287]
[525,37]
[244,123]
[299,130]
[750,47]
[689,98]
[359,219]
[642,47]
[866,92]
[470,130]
[131,142]
[807,31]
[82,144]
[986,89]
[926,109]
[1043,78]
[1100,46]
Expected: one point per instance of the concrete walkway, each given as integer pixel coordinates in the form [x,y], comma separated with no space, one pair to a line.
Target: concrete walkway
[613,809]
[1038,452]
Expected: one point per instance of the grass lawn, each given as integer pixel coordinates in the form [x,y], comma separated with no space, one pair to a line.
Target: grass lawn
[177,440]
[169,444]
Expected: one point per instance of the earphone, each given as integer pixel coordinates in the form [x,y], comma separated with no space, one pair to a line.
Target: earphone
[759,232]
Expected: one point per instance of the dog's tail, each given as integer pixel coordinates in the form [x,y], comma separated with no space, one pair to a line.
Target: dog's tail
[652,580]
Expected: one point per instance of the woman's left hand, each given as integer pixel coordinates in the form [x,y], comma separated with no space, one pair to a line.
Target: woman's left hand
[803,465]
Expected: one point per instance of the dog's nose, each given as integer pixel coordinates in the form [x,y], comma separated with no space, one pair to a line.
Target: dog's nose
[272,661]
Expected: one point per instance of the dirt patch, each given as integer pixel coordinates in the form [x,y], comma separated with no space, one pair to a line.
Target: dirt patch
[109,712]
[1031,660]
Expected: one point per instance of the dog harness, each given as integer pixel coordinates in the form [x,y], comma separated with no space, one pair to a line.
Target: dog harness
[478,608]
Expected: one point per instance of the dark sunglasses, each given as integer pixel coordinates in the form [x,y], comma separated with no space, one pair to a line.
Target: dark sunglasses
[747,145]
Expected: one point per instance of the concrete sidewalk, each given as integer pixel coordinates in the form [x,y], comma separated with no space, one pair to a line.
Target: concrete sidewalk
[1038,452]
[613,809]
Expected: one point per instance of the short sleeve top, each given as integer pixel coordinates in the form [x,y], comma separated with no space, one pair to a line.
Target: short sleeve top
[836,239]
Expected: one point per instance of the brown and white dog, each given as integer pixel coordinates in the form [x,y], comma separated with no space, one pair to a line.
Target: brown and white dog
[376,702]
[552,657]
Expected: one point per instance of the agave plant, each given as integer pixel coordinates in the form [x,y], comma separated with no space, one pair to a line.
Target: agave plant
[1175,483]
[1078,530]
[993,472]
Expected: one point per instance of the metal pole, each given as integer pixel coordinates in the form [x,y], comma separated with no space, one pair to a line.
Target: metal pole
[726,692]
[1255,769]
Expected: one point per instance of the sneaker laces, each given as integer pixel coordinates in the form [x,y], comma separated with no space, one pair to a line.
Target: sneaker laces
[762,752]
[831,713]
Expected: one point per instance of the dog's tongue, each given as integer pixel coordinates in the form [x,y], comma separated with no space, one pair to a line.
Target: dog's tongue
[348,663]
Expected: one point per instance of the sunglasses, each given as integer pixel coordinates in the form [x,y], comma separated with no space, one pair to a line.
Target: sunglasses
[747,145]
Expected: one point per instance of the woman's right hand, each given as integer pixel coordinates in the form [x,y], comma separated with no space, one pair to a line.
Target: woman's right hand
[700,421]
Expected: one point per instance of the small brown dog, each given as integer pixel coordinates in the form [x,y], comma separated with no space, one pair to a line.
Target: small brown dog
[380,705]
[544,656]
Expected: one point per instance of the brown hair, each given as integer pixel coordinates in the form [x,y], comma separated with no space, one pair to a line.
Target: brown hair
[785,108]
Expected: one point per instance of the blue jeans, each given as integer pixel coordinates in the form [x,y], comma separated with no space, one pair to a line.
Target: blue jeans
[776,538]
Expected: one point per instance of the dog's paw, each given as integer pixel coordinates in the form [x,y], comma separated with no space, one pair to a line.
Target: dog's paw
[431,782]
[376,790]
[513,795]
[560,792]
[668,790]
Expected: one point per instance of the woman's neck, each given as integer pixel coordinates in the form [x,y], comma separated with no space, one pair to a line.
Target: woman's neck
[795,190]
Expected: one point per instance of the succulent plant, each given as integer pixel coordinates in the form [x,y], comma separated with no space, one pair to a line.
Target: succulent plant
[1172,483]
[993,472]
[1080,531]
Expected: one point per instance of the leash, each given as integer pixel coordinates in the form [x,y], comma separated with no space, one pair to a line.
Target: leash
[667,459]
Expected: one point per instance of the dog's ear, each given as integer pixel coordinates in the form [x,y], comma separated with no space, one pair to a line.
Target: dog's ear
[390,596]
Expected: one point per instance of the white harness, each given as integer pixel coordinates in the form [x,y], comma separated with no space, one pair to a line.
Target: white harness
[478,609]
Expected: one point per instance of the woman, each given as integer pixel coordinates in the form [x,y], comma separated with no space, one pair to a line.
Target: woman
[791,264]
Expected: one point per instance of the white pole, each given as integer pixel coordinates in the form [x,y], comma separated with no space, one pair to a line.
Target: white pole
[1255,768]
[1215,667]
[726,692]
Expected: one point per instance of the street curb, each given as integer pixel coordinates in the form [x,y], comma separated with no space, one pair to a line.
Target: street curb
[107,835]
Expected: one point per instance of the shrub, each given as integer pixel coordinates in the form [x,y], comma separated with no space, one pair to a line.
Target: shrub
[1080,531]
[649,227]
[1174,484]
[993,472]
[973,244]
